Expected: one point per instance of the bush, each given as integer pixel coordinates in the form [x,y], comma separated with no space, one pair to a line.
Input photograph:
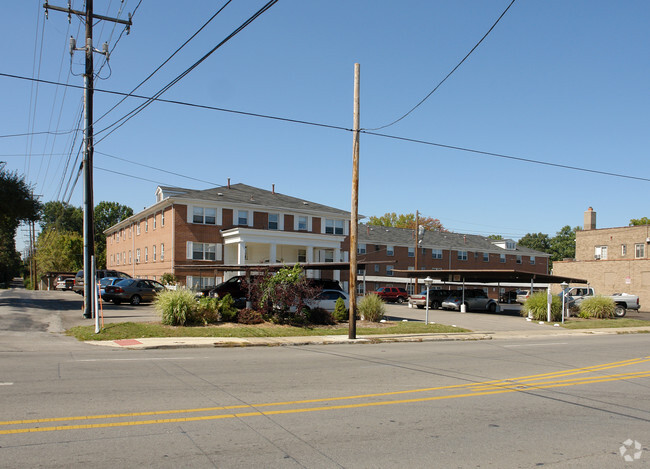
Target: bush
[536,305]
[168,279]
[249,316]
[207,310]
[341,313]
[599,307]
[227,309]
[320,316]
[372,308]
[177,307]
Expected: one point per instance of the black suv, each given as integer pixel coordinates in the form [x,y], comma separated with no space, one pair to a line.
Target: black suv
[78,286]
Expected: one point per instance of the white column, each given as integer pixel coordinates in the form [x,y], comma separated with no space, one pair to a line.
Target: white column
[273,253]
[241,255]
[337,258]
[310,258]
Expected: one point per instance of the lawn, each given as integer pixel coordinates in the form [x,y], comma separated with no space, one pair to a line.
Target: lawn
[132,330]
[577,323]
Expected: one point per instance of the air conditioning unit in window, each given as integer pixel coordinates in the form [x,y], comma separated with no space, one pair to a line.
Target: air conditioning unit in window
[597,257]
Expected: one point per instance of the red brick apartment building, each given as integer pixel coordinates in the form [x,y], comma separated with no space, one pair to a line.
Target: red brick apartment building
[188,232]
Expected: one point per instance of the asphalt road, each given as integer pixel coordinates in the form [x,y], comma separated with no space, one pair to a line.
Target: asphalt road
[556,402]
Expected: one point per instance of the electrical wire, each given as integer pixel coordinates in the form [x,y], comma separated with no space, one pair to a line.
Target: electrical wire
[123,120]
[165,62]
[449,74]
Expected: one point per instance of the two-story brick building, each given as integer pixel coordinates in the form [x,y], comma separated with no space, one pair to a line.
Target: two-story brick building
[614,260]
[192,232]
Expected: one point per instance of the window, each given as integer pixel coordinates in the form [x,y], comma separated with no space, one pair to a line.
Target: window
[518,259]
[242,217]
[154,253]
[210,216]
[162,251]
[411,252]
[502,258]
[639,251]
[462,255]
[130,257]
[600,252]
[197,215]
[204,251]
[389,270]
[146,254]
[117,258]
[117,237]
[377,268]
[361,248]
[436,253]
[137,229]
[360,289]
[137,256]
[390,250]
[302,223]
[623,250]
[146,226]
[302,255]
[532,260]
[154,221]
[361,271]
[333,226]
[486,257]
[162,218]
[510,245]
[329,255]
[274,220]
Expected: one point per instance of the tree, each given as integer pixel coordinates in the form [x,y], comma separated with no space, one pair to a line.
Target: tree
[107,214]
[495,237]
[563,244]
[59,251]
[62,217]
[406,220]
[536,241]
[18,205]
[639,221]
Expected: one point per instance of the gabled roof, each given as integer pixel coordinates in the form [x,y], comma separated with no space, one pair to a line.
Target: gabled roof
[243,194]
[385,235]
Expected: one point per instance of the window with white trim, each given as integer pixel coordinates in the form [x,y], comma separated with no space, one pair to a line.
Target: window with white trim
[389,270]
[162,218]
[303,223]
[639,251]
[600,252]
[333,226]
[242,217]
[518,259]
[329,255]
[154,253]
[377,268]
[502,258]
[361,248]
[486,257]
[302,255]
[146,254]
[623,250]
[117,237]
[137,256]
[274,221]
[146,226]
[411,252]
[436,254]
[162,251]
[202,251]
[117,259]
[462,255]
[154,221]
[532,260]
[137,229]
[130,257]
[390,250]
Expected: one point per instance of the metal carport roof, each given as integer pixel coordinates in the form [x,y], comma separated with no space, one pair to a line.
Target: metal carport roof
[489,276]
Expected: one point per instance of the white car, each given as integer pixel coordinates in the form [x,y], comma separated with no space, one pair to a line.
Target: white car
[326,300]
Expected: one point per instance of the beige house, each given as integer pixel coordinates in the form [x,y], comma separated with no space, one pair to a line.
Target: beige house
[614,260]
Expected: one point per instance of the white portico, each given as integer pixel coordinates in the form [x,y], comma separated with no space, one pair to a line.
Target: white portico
[253,246]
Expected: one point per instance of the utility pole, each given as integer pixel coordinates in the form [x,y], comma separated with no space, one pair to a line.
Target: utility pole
[88,226]
[417,245]
[352,333]
[32,237]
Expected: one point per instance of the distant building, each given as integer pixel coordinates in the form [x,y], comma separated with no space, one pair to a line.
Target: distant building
[613,260]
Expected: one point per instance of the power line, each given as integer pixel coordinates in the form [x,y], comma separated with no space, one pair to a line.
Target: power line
[46,132]
[123,120]
[165,62]
[449,74]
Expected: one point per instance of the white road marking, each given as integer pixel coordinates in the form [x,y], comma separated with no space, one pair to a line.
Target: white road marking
[137,359]
[537,345]
[6,384]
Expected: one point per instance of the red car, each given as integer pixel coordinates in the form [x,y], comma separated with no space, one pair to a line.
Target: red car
[392,294]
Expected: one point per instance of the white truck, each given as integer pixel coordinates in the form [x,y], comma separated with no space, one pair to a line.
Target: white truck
[623,301]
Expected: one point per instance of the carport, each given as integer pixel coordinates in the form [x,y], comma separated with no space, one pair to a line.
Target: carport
[490,277]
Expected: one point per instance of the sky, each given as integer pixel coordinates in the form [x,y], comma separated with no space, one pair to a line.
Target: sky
[561,82]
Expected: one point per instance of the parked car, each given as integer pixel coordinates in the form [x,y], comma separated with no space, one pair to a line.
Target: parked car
[475,299]
[623,301]
[436,297]
[393,294]
[132,290]
[326,300]
[508,297]
[64,282]
[522,296]
[107,281]
[79,278]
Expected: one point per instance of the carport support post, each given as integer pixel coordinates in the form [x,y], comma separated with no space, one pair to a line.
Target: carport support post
[549,300]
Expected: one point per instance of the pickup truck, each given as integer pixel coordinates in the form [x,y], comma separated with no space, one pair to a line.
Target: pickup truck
[623,301]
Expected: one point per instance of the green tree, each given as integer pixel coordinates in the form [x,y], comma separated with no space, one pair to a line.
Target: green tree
[495,237]
[59,251]
[62,217]
[538,241]
[640,221]
[563,244]
[107,214]
[18,205]
[406,220]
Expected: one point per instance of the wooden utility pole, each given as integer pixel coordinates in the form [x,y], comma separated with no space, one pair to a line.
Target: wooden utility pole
[417,245]
[352,333]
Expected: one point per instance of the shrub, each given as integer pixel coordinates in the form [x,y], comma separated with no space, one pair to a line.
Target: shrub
[597,307]
[207,310]
[341,313]
[536,305]
[372,308]
[249,316]
[168,279]
[177,307]
[320,316]
[227,309]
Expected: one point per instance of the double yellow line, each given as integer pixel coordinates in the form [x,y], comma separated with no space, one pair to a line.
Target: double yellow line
[573,377]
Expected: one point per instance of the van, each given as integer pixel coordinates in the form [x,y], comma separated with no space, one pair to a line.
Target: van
[78,286]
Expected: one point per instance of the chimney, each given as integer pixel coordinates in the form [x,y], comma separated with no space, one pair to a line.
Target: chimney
[228,183]
[590,219]
[273,188]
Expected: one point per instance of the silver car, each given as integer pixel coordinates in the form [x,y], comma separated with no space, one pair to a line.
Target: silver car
[474,299]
